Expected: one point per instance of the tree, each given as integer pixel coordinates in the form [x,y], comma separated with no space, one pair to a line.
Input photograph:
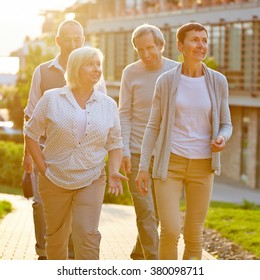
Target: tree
[209,61]
[16,99]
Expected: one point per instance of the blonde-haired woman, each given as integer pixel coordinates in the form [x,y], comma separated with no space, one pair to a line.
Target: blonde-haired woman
[81,126]
[190,124]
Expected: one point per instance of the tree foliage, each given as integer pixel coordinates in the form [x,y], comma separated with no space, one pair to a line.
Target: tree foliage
[16,99]
[209,61]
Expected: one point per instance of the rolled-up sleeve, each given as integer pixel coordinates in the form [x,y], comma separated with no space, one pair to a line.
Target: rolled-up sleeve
[34,93]
[35,127]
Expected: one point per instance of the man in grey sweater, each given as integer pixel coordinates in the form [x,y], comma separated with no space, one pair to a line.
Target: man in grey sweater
[135,100]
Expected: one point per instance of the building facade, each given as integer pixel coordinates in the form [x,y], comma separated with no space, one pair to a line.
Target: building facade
[234,45]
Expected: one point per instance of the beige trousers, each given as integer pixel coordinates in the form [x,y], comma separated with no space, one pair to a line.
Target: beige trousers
[72,211]
[195,177]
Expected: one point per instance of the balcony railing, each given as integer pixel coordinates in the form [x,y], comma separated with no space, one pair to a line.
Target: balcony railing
[118,8]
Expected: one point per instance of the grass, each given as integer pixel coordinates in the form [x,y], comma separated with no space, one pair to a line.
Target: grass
[5,208]
[11,190]
[238,223]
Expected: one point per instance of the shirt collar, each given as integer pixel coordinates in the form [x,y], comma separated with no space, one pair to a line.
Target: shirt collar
[55,63]
[94,97]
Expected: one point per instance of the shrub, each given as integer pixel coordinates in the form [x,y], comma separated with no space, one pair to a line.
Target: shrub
[11,171]
[5,207]
[17,138]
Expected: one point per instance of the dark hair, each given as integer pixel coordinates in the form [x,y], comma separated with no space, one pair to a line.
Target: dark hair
[181,32]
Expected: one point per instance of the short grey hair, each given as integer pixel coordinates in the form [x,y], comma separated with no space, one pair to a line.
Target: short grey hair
[148,28]
[76,59]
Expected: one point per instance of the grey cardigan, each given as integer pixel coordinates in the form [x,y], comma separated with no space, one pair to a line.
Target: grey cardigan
[158,132]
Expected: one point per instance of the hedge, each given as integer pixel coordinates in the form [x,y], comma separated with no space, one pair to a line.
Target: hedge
[11,171]
[17,138]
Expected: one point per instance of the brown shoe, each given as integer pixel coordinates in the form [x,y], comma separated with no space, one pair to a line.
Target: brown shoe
[41,258]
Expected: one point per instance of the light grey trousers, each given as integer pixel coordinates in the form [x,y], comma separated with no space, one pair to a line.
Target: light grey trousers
[147,241]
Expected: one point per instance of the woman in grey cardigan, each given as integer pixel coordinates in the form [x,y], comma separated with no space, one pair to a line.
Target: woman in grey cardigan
[189,126]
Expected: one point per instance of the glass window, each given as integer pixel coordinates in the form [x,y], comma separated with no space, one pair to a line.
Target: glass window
[217,44]
[173,50]
[120,57]
[110,57]
[255,43]
[258,154]
[248,56]
[130,52]
[234,47]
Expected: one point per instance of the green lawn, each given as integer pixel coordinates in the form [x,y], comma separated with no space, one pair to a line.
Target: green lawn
[11,190]
[5,208]
[238,223]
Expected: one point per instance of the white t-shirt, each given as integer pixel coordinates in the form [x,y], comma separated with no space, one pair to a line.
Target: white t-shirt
[192,126]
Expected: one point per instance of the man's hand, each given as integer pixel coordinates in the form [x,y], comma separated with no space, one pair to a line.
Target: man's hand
[141,181]
[115,183]
[218,144]
[126,165]
[27,163]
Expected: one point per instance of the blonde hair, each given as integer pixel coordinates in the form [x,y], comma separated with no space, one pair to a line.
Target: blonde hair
[76,59]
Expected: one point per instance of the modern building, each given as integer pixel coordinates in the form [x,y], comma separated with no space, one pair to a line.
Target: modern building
[234,44]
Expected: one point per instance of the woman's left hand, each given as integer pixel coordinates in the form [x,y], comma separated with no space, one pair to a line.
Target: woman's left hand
[115,183]
[218,144]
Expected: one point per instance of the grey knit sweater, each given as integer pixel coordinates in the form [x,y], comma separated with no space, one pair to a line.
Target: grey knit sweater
[135,102]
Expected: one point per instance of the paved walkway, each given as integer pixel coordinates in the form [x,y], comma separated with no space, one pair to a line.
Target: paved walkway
[117,227]
[227,190]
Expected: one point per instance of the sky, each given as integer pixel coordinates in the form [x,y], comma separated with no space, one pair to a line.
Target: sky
[20,18]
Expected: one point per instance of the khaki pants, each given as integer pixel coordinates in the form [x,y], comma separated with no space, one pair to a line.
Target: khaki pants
[147,241]
[39,219]
[72,211]
[196,177]
[38,216]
